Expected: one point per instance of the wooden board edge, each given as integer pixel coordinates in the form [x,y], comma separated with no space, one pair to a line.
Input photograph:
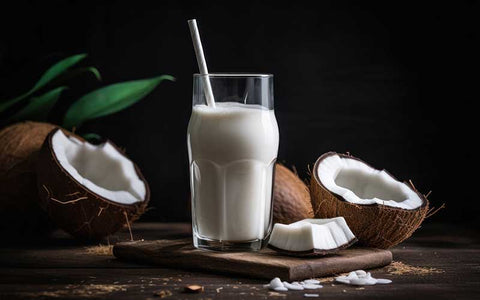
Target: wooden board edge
[130,253]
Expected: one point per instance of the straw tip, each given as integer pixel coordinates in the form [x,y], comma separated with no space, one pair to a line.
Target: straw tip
[191,21]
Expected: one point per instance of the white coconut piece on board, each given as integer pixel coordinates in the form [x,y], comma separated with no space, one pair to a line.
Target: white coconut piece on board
[311,237]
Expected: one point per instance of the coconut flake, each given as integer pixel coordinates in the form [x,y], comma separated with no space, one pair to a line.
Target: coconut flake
[308,286]
[362,281]
[361,273]
[312,281]
[361,277]
[352,275]
[275,282]
[279,286]
[342,279]
[358,183]
[383,281]
[293,287]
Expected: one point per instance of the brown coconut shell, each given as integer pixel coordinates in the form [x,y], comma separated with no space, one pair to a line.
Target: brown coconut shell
[291,197]
[374,225]
[75,208]
[20,214]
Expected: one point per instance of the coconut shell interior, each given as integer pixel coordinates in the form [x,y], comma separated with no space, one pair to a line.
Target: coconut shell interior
[374,225]
[76,209]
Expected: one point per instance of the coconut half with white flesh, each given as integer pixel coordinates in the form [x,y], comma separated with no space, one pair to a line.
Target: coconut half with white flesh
[311,237]
[380,210]
[90,191]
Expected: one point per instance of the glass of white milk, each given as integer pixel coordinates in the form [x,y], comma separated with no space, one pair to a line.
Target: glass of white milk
[232,150]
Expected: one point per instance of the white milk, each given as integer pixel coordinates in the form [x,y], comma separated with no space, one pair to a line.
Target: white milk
[232,150]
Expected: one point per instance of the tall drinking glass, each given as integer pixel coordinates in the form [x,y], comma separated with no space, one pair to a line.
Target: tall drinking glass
[232,149]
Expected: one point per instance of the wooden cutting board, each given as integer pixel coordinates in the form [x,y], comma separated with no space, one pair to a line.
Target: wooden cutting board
[264,264]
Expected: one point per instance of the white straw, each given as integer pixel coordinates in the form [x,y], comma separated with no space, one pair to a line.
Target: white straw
[202,64]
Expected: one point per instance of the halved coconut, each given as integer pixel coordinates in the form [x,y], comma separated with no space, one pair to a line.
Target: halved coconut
[311,237]
[90,191]
[380,210]
[291,197]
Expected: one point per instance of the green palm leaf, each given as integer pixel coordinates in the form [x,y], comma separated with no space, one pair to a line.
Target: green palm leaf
[72,73]
[39,107]
[48,76]
[110,99]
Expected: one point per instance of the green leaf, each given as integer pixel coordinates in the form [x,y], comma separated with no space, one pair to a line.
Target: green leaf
[110,99]
[39,107]
[92,70]
[48,76]
[75,72]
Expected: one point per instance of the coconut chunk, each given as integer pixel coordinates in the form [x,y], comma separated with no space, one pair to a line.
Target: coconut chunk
[311,236]
[361,277]
[293,287]
[359,183]
[100,168]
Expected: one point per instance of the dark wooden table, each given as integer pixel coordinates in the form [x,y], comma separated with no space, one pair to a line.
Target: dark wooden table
[61,268]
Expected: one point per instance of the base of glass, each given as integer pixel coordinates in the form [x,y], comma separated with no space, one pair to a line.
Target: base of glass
[228,246]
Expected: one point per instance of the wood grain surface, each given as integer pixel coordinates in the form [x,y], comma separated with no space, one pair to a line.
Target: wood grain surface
[265,264]
[62,268]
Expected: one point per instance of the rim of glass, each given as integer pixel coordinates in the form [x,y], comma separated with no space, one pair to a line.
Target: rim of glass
[239,74]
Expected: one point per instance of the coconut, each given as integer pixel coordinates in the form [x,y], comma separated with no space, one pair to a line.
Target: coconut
[380,210]
[90,191]
[291,197]
[311,237]
[19,209]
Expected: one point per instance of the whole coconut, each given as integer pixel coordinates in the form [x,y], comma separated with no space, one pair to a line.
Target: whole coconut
[20,213]
[291,197]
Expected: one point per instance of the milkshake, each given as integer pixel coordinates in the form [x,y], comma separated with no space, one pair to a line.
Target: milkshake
[232,152]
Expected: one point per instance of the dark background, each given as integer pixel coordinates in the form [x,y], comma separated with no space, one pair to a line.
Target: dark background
[393,82]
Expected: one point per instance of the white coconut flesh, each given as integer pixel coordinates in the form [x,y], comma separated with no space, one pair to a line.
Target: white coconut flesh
[100,168]
[311,234]
[358,183]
